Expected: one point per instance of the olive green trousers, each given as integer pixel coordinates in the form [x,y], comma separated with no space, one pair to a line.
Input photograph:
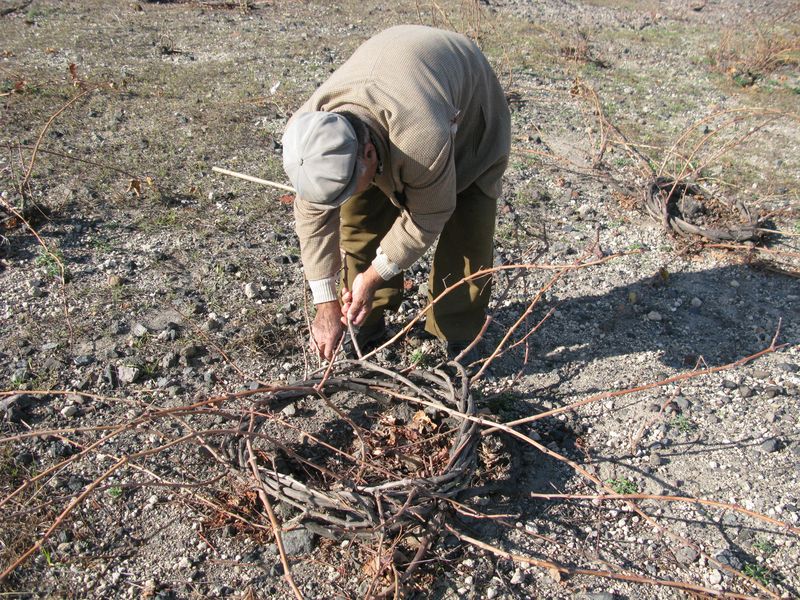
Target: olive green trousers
[465,246]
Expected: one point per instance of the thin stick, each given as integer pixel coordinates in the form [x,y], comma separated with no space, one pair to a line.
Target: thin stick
[28,172]
[274,184]
[276,528]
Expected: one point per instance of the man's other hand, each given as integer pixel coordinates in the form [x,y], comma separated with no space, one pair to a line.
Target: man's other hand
[327,329]
[357,303]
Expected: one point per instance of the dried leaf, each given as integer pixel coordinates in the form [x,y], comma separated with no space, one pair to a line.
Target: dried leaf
[286,199]
[420,421]
[73,72]
[135,186]
[408,284]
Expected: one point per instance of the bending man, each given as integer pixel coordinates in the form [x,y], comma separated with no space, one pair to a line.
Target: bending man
[405,143]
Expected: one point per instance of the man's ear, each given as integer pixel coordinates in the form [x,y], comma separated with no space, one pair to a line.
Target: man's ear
[370,153]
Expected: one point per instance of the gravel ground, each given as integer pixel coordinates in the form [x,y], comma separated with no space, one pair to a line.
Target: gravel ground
[180,285]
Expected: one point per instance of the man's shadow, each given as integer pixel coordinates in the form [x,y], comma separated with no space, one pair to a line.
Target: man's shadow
[709,317]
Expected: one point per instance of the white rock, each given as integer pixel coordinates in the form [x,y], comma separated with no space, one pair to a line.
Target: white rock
[654,315]
[69,411]
[251,290]
[715,577]
[696,302]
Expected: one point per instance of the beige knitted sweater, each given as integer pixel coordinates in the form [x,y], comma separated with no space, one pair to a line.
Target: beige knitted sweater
[440,121]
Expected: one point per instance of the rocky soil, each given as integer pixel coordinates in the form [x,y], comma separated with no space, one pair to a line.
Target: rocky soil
[165,284]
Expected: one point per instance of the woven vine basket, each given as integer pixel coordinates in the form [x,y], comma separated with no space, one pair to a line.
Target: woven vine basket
[362,487]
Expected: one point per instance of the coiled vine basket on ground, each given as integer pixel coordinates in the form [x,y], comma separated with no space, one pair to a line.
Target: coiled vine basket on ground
[367,471]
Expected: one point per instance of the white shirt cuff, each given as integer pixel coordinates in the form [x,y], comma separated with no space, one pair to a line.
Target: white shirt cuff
[385,268]
[324,290]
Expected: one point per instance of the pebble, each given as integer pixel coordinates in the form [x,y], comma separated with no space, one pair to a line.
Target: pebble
[251,291]
[191,350]
[298,541]
[769,446]
[734,283]
[656,460]
[745,391]
[69,411]
[128,374]
[682,403]
[138,330]
[773,391]
[686,555]
[83,360]
[715,577]
[585,211]
[169,360]
[184,563]
[726,557]
[599,596]
[729,385]
[788,367]
[760,374]
[696,302]
[654,315]
[289,410]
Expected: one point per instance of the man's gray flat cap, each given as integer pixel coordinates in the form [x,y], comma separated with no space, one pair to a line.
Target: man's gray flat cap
[319,156]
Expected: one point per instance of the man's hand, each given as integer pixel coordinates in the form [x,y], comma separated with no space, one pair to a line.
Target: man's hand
[327,329]
[357,303]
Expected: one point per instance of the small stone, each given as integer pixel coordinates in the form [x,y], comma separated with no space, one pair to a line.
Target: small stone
[760,374]
[298,541]
[682,403]
[686,555]
[191,350]
[585,211]
[289,410]
[109,376]
[654,407]
[169,360]
[654,315]
[491,593]
[114,281]
[769,446]
[696,302]
[745,391]
[213,324]
[69,411]
[184,563]
[138,330]
[726,557]
[599,596]
[656,460]
[772,392]
[788,367]
[128,374]
[729,385]
[734,283]
[83,360]
[251,291]
[715,577]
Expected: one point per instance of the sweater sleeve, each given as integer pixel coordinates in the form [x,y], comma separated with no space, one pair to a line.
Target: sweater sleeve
[430,200]
[318,232]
